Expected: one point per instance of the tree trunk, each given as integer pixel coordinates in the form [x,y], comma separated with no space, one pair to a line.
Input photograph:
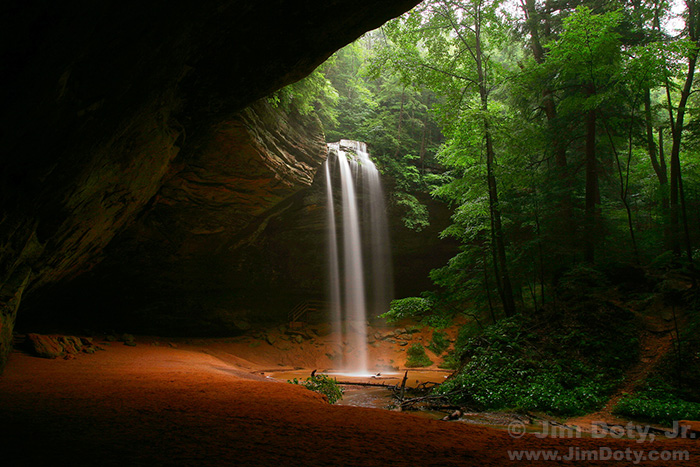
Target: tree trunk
[659,164]
[498,243]
[398,129]
[564,230]
[677,133]
[488,292]
[497,237]
[625,179]
[592,194]
[424,139]
[664,195]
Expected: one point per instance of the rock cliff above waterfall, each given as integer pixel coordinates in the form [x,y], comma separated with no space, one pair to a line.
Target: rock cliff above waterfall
[99,99]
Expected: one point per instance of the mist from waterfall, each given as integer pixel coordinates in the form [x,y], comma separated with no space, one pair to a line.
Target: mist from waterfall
[360,277]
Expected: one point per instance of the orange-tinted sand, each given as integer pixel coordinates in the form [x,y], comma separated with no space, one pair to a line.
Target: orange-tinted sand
[156,405]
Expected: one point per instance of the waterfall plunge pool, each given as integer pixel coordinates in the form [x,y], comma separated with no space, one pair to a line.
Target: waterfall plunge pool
[375,397]
[372,396]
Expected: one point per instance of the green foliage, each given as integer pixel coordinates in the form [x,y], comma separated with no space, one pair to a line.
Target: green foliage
[651,407]
[588,51]
[394,119]
[581,284]
[408,180]
[421,309]
[417,357]
[439,343]
[672,390]
[449,362]
[411,307]
[315,93]
[323,385]
[557,362]
[401,89]
[416,214]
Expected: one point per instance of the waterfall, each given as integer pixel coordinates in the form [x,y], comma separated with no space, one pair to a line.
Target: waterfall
[365,238]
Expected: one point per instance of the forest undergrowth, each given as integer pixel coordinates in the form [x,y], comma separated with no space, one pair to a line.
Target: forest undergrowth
[570,357]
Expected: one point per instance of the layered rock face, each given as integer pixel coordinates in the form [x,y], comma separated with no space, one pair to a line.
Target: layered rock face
[192,263]
[204,261]
[105,102]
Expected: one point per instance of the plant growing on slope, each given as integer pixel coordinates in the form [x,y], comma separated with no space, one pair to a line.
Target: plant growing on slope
[321,384]
[417,357]
[439,343]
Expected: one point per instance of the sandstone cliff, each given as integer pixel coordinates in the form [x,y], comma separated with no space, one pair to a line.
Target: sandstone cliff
[100,98]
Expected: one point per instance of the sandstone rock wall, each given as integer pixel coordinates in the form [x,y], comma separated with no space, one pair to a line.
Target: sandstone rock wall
[185,265]
[168,274]
[100,98]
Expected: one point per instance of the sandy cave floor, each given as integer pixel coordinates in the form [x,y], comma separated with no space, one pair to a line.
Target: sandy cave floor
[199,404]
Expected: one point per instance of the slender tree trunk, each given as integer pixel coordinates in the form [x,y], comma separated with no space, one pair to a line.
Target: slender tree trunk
[664,195]
[539,251]
[548,104]
[686,229]
[398,129]
[498,240]
[498,243]
[424,137]
[625,179]
[659,164]
[592,190]
[488,292]
[564,229]
[677,133]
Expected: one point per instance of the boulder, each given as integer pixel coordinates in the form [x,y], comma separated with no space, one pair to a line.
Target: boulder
[44,346]
[271,338]
[55,346]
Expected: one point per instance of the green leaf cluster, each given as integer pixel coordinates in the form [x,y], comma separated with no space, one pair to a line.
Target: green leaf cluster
[417,358]
[656,408]
[439,342]
[321,384]
[410,307]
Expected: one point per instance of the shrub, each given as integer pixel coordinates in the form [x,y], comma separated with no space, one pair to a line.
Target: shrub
[417,357]
[672,390]
[647,406]
[558,361]
[410,307]
[323,385]
[439,343]
[450,362]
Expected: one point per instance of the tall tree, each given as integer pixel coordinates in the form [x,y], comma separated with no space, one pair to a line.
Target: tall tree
[443,44]
[537,26]
[587,56]
[692,30]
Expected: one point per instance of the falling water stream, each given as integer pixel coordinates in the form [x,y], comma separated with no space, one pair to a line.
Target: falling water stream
[355,289]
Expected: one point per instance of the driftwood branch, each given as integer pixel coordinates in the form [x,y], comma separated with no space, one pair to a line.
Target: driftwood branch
[403,386]
[429,397]
[358,383]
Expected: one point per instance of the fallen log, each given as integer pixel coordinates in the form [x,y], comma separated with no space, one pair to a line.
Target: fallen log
[453,416]
[358,383]
[430,397]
